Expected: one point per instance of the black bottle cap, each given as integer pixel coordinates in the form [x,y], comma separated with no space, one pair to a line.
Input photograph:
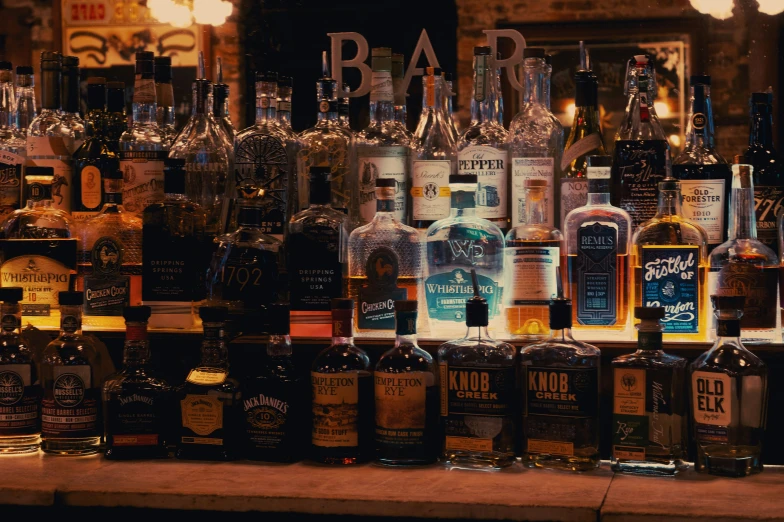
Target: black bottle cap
[406,305]
[463,178]
[279,317]
[51,56]
[757,98]
[213,314]
[174,176]
[285,81]
[70,61]
[385,183]
[147,56]
[70,298]
[533,52]
[269,76]
[649,312]
[6,66]
[476,306]
[341,303]
[447,77]
[163,69]
[144,64]
[669,184]
[115,96]
[560,313]
[39,171]
[586,89]
[483,50]
[24,69]
[600,161]
[11,294]
[699,79]
[96,93]
[728,302]
[137,313]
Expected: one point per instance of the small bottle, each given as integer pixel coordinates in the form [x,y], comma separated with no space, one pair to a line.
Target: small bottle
[342,385]
[479,405]
[165,113]
[209,402]
[398,77]
[136,402]
[729,398]
[649,404]
[285,92]
[71,382]
[69,116]
[560,379]
[38,219]
[117,119]
[20,388]
[13,147]
[407,406]
[274,398]
[26,108]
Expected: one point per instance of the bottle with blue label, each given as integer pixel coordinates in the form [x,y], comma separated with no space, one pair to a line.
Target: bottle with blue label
[456,245]
[669,265]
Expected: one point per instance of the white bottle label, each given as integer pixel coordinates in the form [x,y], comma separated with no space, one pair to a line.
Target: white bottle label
[381,87]
[54,151]
[142,178]
[531,168]
[574,194]
[489,165]
[712,398]
[379,163]
[531,274]
[430,191]
[703,203]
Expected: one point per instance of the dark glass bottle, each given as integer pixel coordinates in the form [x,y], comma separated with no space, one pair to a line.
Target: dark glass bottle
[136,403]
[209,401]
[117,120]
[342,381]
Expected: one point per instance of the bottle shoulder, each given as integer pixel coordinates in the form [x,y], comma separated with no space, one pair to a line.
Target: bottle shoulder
[341,358]
[471,351]
[380,135]
[456,227]
[530,232]
[70,349]
[405,358]
[558,352]
[730,358]
[670,230]
[143,137]
[488,134]
[650,360]
[320,216]
[745,251]
[384,230]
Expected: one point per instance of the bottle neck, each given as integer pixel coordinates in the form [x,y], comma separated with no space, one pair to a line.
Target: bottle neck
[478,333]
[342,330]
[761,132]
[699,130]
[563,334]
[266,102]
[669,203]
[535,77]
[727,332]
[598,191]
[431,94]
[145,107]
[284,106]
[136,351]
[279,345]
[25,103]
[214,351]
[482,109]
[535,211]
[743,223]
[7,101]
[50,90]
[382,112]
[70,320]
[649,338]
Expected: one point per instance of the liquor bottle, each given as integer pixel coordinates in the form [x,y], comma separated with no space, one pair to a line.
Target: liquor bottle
[136,401]
[641,147]
[649,407]
[383,151]
[265,154]
[165,113]
[13,147]
[478,393]
[275,398]
[39,219]
[110,254]
[25,108]
[220,107]
[49,142]
[342,385]
[598,240]
[534,140]
[398,78]
[533,259]
[203,146]
[704,175]
[328,144]
[71,383]
[434,157]
[210,400]
[69,116]
[482,148]
[317,249]
[385,259]
[744,266]
[560,422]
[768,170]
[117,120]
[407,405]
[96,159]
[20,388]
[285,92]
[455,246]
[669,264]
[344,108]
[446,105]
[729,396]
[143,145]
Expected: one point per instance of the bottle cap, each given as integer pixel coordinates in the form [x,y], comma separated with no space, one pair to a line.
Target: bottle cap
[279,318]
[649,312]
[213,314]
[483,50]
[385,183]
[762,98]
[24,69]
[700,79]
[39,171]
[137,313]
[447,76]
[115,96]
[669,184]
[600,161]
[51,56]
[163,69]
[6,66]
[476,306]
[560,313]
[535,183]
[285,81]
[70,298]
[408,305]
[70,61]
[728,302]
[463,178]
[533,52]
[341,303]
[144,63]
[11,294]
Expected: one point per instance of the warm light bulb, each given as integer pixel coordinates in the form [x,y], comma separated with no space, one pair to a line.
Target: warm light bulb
[771,7]
[675,140]
[181,16]
[662,109]
[721,9]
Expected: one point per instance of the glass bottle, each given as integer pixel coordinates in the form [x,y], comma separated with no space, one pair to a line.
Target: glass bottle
[285,92]
[69,116]
[25,108]
[533,258]
[434,157]
[143,145]
[165,112]
[478,393]
[13,147]
[20,388]
[38,219]
[275,398]
[744,266]
[398,78]
[210,400]
[406,391]
[729,398]
[117,120]
[383,151]
[136,401]
[317,249]
[342,385]
[649,404]
[560,377]
[70,377]
[669,264]
[768,169]
[482,148]
[704,175]
[96,116]
[446,105]
[534,141]
[385,259]
[598,240]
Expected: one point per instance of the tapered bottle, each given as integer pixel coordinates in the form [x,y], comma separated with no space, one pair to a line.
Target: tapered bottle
[26,108]
[70,117]
[165,113]
[13,147]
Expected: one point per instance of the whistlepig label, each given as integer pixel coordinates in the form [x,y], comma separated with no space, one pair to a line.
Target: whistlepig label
[400,408]
[335,409]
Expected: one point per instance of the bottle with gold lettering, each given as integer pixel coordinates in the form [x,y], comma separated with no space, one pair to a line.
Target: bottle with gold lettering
[342,384]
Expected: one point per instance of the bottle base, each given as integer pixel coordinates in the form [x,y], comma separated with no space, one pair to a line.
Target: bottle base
[19,445]
[481,460]
[401,463]
[731,463]
[563,462]
[649,467]
[71,447]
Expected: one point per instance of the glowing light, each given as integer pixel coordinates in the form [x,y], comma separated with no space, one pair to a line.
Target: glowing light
[771,7]
[662,109]
[178,14]
[721,9]
[675,140]
[214,12]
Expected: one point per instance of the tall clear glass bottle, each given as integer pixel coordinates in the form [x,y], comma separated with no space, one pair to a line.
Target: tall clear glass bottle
[70,117]
[26,108]
[398,77]
[482,148]
[285,92]
[165,112]
[13,147]
[534,141]
[729,398]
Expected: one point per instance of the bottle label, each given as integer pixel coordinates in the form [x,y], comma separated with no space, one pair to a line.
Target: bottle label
[574,194]
[335,409]
[333,152]
[70,405]
[638,167]
[54,151]
[106,290]
[669,279]
[599,173]
[284,107]
[768,202]
[489,165]
[18,400]
[597,273]
[531,168]
[136,418]
[377,298]
[581,147]
[250,276]
[430,191]
[142,178]
[759,285]
[401,411]
[712,396]
[703,203]
[446,294]
[315,267]
[90,187]
[204,377]
[174,273]
[562,392]
[203,416]
[143,90]
[266,418]
[532,274]
[381,87]
[382,163]
[10,182]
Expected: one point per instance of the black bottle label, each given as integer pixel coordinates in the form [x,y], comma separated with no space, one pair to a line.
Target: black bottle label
[70,405]
[669,278]
[401,409]
[19,411]
[597,255]
[172,267]
[759,285]
[638,167]
[136,418]
[106,290]
[275,415]
[250,276]
[315,270]
[767,205]
[377,298]
[563,392]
